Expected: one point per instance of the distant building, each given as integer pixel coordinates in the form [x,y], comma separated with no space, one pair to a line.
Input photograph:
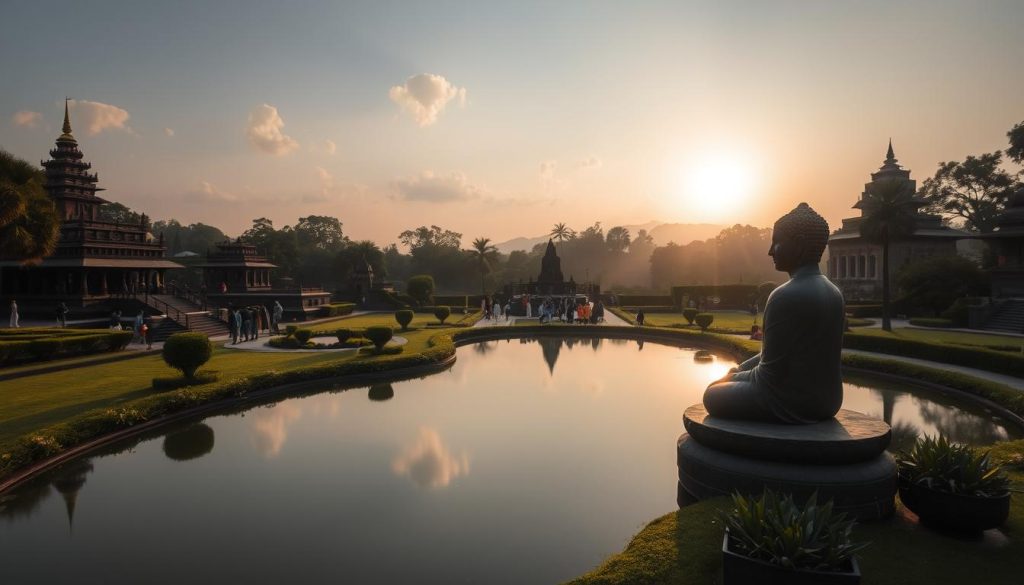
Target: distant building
[1007,243]
[97,263]
[855,265]
[550,283]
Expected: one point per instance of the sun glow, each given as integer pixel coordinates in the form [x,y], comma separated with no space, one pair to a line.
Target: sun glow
[716,187]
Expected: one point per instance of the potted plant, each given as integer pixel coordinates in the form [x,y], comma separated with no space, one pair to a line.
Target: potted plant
[772,539]
[953,486]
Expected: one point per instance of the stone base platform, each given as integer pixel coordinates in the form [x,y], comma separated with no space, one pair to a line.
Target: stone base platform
[843,459]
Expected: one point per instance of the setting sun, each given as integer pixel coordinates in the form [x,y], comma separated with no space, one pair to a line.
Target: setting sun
[714,186]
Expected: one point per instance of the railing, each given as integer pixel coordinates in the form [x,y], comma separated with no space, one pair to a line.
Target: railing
[176,315]
[189,295]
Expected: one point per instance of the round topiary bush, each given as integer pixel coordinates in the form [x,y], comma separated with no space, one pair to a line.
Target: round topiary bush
[404,317]
[704,320]
[303,335]
[291,329]
[420,288]
[380,335]
[689,314]
[187,352]
[343,335]
[442,313]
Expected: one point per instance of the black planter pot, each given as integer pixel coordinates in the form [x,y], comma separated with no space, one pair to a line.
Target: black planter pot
[741,570]
[955,511]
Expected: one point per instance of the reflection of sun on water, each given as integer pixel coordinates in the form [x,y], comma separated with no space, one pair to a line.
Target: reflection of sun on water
[715,370]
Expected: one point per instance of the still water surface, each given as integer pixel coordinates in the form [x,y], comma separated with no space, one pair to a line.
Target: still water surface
[528,462]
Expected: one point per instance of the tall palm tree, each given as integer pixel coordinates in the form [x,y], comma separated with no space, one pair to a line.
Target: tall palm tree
[485,255]
[562,232]
[29,224]
[890,210]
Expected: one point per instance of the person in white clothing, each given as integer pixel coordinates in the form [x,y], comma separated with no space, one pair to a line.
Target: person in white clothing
[14,314]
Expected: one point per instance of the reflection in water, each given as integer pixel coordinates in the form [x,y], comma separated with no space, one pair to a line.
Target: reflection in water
[549,346]
[25,500]
[381,392]
[428,462]
[270,427]
[189,443]
[903,436]
[69,481]
[959,426]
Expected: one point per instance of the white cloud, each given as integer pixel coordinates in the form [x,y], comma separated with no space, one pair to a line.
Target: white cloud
[330,147]
[26,118]
[326,181]
[429,186]
[591,162]
[425,96]
[209,193]
[270,427]
[264,131]
[428,462]
[98,116]
[169,131]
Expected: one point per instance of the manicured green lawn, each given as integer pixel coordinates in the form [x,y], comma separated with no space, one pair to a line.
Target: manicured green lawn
[363,321]
[34,402]
[684,547]
[733,321]
[942,336]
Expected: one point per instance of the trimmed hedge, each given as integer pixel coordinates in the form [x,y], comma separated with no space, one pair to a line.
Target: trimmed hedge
[704,320]
[730,296]
[689,314]
[651,308]
[453,300]
[442,313]
[187,352]
[646,301]
[982,359]
[41,344]
[380,335]
[337,309]
[404,317]
[303,335]
[931,322]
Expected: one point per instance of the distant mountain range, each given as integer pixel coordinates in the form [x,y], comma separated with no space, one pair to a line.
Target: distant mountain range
[663,233]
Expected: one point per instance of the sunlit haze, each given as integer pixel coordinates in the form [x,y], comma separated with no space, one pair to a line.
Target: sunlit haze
[497,120]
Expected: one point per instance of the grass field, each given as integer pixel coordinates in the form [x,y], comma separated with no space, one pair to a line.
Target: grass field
[33,402]
[725,321]
[954,337]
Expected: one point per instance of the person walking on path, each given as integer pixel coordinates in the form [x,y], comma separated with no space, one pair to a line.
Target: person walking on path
[147,335]
[236,325]
[640,318]
[62,315]
[140,320]
[275,321]
[14,315]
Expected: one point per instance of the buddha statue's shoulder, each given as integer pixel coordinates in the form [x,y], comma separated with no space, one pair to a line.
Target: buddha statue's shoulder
[806,289]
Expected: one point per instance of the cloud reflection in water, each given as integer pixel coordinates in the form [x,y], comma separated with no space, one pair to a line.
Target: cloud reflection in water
[428,462]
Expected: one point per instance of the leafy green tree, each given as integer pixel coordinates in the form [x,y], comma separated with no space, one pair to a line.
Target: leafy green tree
[934,283]
[562,232]
[974,190]
[617,239]
[119,213]
[890,211]
[29,223]
[354,253]
[433,236]
[320,231]
[1016,150]
[485,255]
[421,288]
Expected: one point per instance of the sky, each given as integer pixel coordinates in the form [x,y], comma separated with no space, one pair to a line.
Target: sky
[500,119]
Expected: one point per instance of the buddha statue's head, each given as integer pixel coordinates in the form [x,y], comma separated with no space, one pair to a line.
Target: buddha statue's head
[799,239]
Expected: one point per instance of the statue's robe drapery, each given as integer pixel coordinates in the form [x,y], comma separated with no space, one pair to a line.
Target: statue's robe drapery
[796,378]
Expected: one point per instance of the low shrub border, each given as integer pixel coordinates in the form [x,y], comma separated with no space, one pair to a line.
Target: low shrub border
[34,345]
[931,322]
[999,362]
[337,309]
[34,453]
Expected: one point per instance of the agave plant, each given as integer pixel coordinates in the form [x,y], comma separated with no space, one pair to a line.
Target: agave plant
[775,529]
[951,467]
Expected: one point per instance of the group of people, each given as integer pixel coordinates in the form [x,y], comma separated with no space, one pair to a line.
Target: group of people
[245,323]
[569,310]
[492,309]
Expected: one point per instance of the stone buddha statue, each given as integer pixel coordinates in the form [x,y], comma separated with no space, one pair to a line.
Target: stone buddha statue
[796,378]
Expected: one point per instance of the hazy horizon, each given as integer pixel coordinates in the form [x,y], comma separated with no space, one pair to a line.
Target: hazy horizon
[499,121]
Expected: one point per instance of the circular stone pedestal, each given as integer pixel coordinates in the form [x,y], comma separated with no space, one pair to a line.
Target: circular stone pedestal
[843,459]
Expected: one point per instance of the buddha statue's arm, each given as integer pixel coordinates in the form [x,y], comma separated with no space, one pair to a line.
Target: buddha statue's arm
[749,364]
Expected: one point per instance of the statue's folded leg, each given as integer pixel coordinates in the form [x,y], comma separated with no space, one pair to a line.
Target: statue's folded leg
[738,399]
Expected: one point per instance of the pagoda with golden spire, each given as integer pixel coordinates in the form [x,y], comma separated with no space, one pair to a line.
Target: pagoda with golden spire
[97,263]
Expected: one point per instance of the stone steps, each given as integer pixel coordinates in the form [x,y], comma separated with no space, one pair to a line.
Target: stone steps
[1009,318]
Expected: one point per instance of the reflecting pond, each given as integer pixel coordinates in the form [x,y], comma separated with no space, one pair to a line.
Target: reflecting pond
[529,461]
